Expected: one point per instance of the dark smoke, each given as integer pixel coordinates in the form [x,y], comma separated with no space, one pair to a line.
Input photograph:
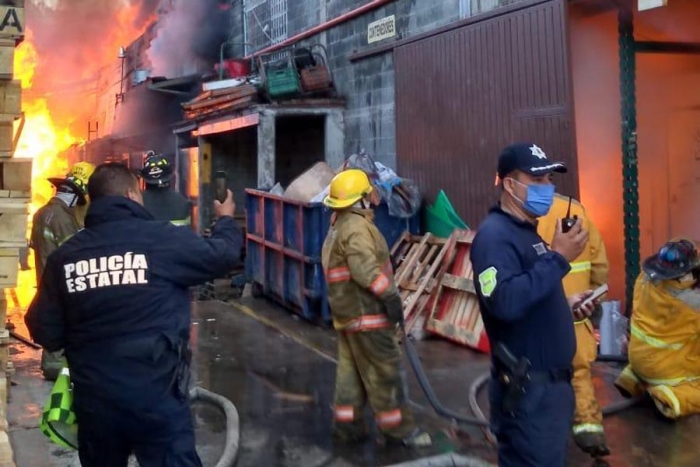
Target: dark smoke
[188,37]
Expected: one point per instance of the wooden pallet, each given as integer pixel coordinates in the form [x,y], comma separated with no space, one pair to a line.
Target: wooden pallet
[455,314]
[420,263]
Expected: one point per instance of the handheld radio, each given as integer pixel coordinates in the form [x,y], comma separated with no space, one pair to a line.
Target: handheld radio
[568,222]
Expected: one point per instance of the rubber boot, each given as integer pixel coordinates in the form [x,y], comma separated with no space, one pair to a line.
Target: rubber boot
[629,384]
[665,401]
[592,443]
[348,433]
[417,439]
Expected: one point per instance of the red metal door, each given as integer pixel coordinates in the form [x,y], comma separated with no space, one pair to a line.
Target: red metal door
[463,95]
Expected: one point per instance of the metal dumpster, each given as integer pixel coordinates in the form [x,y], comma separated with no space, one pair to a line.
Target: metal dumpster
[283,250]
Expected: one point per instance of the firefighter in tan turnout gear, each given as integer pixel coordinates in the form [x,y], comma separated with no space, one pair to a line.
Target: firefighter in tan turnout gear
[366,306]
[664,348]
[588,271]
[52,225]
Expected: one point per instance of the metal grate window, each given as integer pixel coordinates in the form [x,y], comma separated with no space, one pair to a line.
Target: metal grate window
[265,23]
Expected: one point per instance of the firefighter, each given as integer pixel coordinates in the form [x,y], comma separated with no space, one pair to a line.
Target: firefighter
[366,307]
[159,199]
[116,297]
[52,225]
[588,271]
[665,332]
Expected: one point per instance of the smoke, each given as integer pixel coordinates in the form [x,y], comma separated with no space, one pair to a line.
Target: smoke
[188,36]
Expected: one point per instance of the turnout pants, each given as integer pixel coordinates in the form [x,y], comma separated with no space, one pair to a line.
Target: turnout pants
[160,436]
[588,416]
[369,371]
[536,434]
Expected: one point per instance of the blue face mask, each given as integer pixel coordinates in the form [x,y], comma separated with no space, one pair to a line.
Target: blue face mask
[539,199]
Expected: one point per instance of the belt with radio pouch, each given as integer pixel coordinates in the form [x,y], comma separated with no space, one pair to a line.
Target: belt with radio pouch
[515,374]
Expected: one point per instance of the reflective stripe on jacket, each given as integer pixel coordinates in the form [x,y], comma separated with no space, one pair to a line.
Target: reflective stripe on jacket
[358,271]
[52,226]
[664,347]
[590,269]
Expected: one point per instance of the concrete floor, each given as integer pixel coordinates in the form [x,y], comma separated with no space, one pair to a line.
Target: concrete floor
[279,372]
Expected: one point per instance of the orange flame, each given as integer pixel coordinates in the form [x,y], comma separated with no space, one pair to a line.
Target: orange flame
[43,139]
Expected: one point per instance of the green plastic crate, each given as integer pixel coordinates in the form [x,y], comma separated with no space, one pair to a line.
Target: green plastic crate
[282,83]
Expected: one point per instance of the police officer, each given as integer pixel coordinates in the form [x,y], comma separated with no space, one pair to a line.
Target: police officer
[527,316]
[115,296]
[52,225]
[159,199]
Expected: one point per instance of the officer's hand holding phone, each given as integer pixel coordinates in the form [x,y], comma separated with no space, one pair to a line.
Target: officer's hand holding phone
[570,244]
[227,208]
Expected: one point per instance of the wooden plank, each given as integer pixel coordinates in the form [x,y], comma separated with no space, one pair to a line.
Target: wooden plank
[10,96]
[16,174]
[436,264]
[7,59]
[27,195]
[13,222]
[9,267]
[459,283]
[6,453]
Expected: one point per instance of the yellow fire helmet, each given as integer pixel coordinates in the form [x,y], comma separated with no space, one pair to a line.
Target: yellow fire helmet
[78,176]
[347,188]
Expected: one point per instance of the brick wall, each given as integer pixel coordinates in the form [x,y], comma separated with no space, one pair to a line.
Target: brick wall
[368,85]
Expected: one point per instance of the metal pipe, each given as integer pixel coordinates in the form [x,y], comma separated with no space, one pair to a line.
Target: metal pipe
[373,5]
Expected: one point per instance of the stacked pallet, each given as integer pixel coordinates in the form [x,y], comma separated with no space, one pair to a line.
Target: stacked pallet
[15,194]
[435,279]
[220,101]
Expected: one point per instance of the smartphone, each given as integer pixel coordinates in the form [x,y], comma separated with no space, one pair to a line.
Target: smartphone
[220,183]
[597,293]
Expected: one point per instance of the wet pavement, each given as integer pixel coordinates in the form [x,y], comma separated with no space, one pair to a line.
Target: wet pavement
[279,372]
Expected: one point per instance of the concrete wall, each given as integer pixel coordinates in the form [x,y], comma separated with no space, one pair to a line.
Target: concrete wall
[368,85]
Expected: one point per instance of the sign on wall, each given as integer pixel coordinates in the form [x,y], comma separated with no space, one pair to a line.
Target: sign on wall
[381,29]
[11,21]
[649,4]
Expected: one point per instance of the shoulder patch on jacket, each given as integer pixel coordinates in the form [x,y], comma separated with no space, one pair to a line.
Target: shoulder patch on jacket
[488,281]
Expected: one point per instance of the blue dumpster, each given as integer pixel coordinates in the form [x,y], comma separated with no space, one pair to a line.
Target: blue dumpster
[283,250]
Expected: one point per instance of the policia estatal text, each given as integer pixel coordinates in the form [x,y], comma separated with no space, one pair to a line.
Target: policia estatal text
[115,296]
[527,316]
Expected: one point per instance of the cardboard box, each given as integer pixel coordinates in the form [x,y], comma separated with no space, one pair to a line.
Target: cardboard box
[16,174]
[7,59]
[9,267]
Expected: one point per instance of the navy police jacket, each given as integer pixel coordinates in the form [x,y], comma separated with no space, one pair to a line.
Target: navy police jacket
[518,280]
[115,297]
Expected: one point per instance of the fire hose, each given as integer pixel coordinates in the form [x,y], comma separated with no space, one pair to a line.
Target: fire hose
[228,457]
[478,419]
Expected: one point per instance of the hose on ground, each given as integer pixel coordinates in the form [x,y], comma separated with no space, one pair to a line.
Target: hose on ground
[479,419]
[228,457]
[458,418]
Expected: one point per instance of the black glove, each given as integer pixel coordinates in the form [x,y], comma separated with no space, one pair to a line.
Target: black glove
[393,305]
